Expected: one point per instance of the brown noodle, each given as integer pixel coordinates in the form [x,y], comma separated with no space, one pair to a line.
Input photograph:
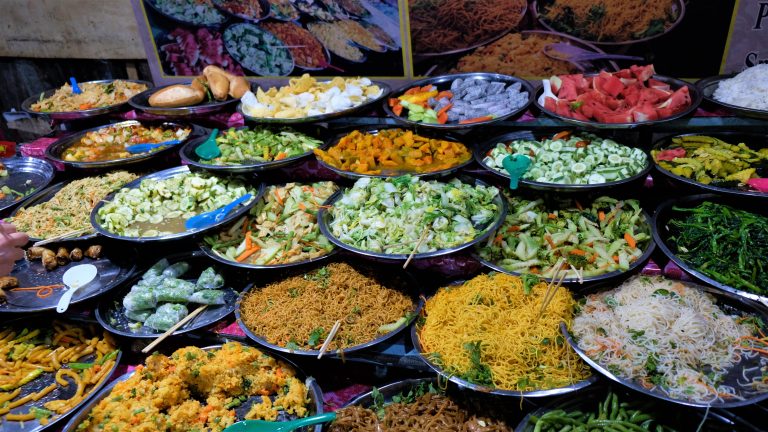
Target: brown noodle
[439,26]
[292,309]
[428,413]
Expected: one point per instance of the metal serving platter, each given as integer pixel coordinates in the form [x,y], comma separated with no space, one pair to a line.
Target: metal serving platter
[266,11]
[402,282]
[141,102]
[680,418]
[322,117]
[477,44]
[116,265]
[163,175]
[375,130]
[443,82]
[55,151]
[678,6]
[673,82]
[181,20]
[754,141]
[110,312]
[491,390]
[46,379]
[314,394]
[215,256]
[481,151]
[324,220]
[733,304]
[188,155]
[662,232]
[25,175]
[81,114]
[707,87]
[46,195]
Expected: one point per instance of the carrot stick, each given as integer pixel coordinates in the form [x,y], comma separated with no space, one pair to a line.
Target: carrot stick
[548,238]
[248,241]
[577,252]
[561,135]
[243,256]
[476,120]
[601,216]
[279,198]
[630,240]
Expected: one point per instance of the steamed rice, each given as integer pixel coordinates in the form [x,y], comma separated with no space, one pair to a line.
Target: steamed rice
[749,89]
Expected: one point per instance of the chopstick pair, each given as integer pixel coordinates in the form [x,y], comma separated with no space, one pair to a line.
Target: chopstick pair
[552,287]
[329,339]
[418,245]
[64,236]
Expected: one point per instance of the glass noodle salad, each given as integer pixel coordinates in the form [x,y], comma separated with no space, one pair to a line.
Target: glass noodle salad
[572,159]
[606,236]
[259,144]
[281,228]
[197,12]
[160,207]
[391,215]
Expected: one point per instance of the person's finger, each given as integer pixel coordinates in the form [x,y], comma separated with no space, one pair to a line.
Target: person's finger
[15,254]
[18,238]
[5,268]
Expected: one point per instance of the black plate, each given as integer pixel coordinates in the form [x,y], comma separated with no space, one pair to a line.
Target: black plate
[661,234]
[111,314]
[673,82]
[314,394]
[444,83]
[375,129]
[680,418]
[754,141]
[46,379]
[25,175]
[116,265]
[141,102]
[185,21]
[707,87]
[189,156]
[482,150]
[324,220]
[54,151]
[215,256]
[402,282]
[322,117]
[76,115]
[162,175]
[734,304]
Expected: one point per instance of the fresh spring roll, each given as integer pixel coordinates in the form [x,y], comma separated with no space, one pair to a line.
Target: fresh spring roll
[138,315]
[176,270]
[209,279]
[174,290]
[209,297]
[139,300]
[166,316]
[157,269]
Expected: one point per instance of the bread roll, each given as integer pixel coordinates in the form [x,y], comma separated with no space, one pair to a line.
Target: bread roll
[176,96]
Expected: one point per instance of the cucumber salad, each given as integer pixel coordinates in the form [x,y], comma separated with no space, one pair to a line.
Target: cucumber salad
[392,215]
[572,159]
[607,235]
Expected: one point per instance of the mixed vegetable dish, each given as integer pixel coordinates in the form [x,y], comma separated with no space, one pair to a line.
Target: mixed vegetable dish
[109,143]
[261,144]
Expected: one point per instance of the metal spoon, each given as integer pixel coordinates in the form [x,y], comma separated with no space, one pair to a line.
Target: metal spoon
[143,148]
[206,219]
[75,278]
[287,426]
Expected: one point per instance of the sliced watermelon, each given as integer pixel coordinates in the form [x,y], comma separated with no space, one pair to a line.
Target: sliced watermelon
[644,113]
[556,83]
[550,104]
[620,117]
[608,84]
[653,83]
[653,96]
[678,101]
[643,73]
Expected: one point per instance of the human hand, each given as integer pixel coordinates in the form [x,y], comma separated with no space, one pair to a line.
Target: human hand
[11,243]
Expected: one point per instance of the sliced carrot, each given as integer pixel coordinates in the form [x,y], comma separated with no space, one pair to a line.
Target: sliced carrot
[548,238]
[279,198]
[442,118]
[427,88]
[552,216]
[302,206]
[476,120]
[577,252]
[445,109]
[85,106]
[601,216]
[513,228]
[248,241]
[630,240]
[444,94]
[393,101]
[581,144]
[561,135]
[244,256]
[281,156]
[397,109]
[412,90]
[498,239]
[615,259]
[535,270]
[593,258]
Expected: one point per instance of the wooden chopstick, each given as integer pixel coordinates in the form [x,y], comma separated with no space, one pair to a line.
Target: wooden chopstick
[548,300]
[418,245]
[61,237]
[329,339]
[175,327]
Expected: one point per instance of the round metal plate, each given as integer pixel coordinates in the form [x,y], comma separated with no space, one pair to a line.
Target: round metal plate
[222,18]
[314,394]
[375,129]
[673,82]
[444,83]
[263,69]
[322,117]
[163,175]
[214,255]
[76,115]
[707,86]
[482,150]
[141,102]
[734,302]
[324,220]
[26,175]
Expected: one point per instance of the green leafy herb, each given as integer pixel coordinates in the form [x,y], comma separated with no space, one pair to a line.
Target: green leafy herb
[529,281]
[478,372]
[80,366]
[316,336]
[40,413]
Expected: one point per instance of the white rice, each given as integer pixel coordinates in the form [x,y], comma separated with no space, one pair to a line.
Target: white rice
[748,89]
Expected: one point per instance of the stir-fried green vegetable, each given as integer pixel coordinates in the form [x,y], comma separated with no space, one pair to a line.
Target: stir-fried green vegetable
[282,227]
[604,237]
[239,146]
[571,159]
[724,243]
[391,215]
[160,207]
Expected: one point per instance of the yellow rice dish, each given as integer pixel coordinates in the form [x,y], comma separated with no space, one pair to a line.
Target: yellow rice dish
[196,390]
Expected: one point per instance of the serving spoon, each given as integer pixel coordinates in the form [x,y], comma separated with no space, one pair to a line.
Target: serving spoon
[286,426]
[208,149]
[574,54]
[75,278]
[212,217]
[143,148]
[75,87]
